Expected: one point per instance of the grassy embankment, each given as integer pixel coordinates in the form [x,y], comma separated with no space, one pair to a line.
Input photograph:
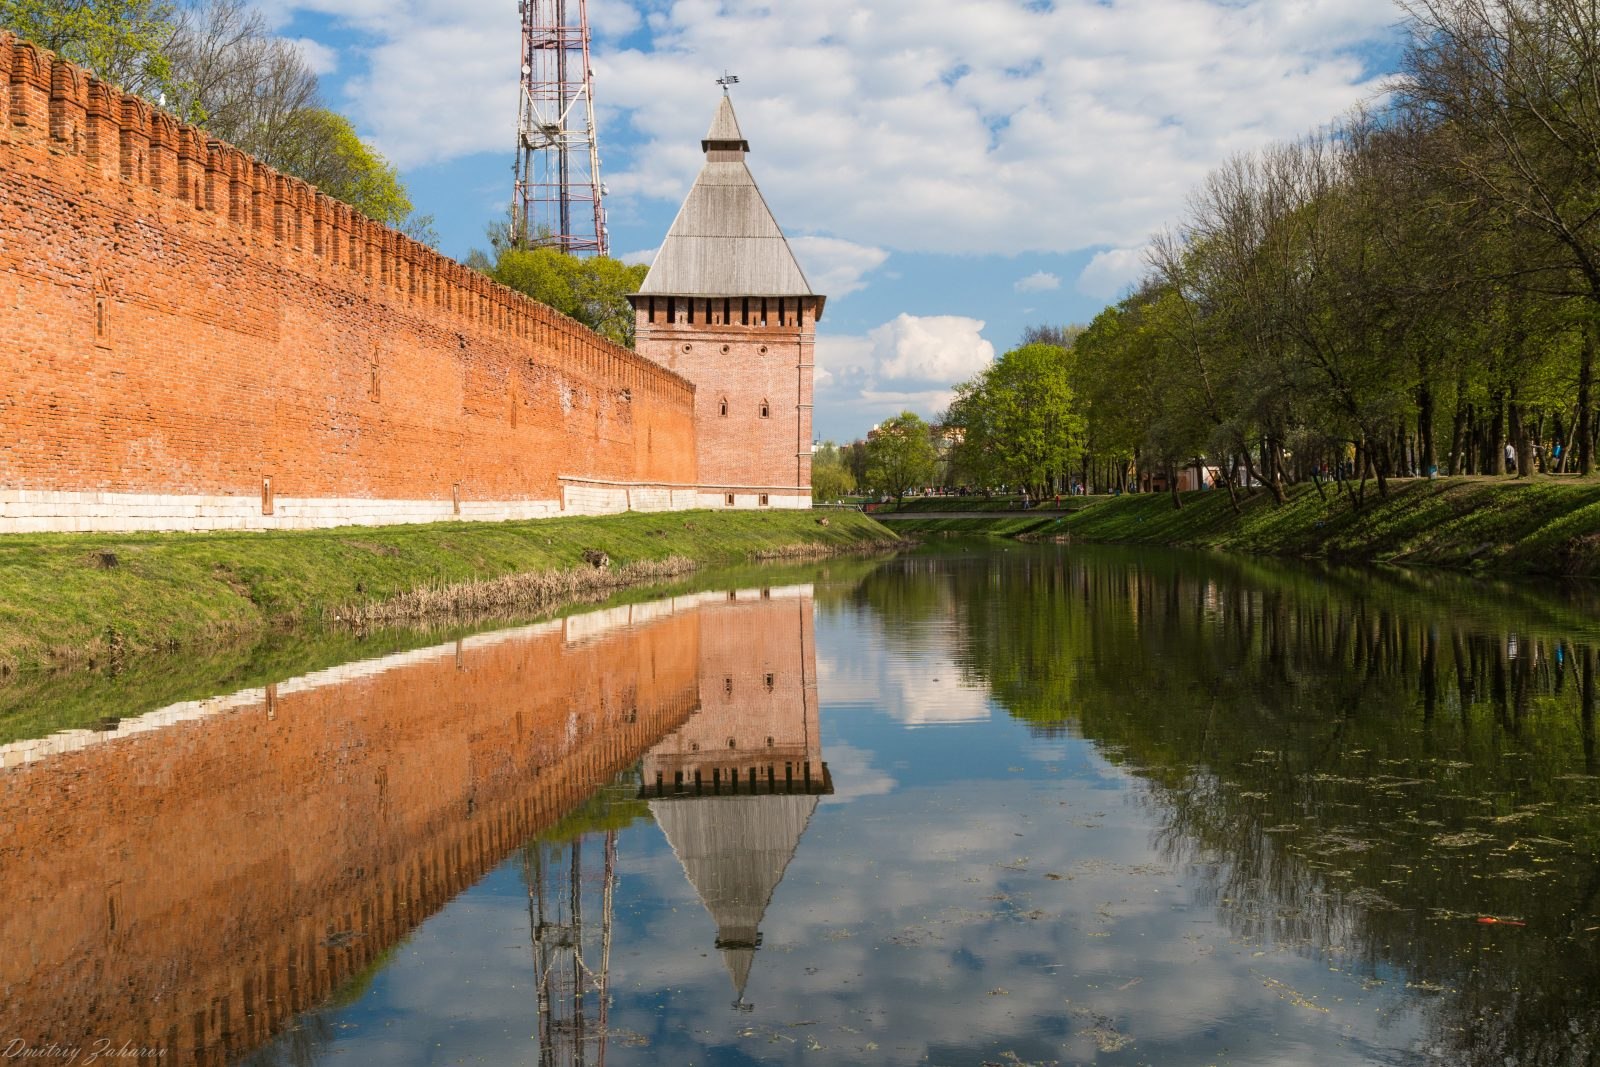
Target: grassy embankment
[85,599]
[36,703]
[1546,525]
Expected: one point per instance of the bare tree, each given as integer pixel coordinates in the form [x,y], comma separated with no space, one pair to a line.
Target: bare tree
[243,83]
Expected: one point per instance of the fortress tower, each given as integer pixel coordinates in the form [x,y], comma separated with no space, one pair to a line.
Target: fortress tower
[726,306]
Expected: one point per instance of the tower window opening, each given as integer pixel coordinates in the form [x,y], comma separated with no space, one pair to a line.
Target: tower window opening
[766,410]
[722,407]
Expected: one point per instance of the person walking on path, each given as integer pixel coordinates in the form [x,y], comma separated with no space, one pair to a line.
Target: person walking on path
[1511,458]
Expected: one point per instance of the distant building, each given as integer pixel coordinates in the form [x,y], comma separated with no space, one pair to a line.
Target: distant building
[726,305]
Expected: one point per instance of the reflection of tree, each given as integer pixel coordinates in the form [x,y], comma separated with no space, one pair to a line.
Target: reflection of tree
[1358,765]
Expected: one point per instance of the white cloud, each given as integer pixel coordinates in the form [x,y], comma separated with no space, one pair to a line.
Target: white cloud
[985,127]
[1111,272]
[646,256]
[909,363]
[971,126]
[1040,281]
[319,57]
[834,267]
[938,348]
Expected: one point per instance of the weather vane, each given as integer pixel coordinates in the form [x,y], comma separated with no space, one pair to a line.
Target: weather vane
[727,80]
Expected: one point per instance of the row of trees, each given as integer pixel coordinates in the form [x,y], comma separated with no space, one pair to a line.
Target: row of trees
[1412,290]
[899,455]
[216,63]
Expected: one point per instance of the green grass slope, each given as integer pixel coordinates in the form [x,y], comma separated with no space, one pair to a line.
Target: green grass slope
[1542,526]
[66,599]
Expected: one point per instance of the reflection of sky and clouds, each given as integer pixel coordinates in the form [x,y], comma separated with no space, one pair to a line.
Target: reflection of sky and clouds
[985,892]
[1044,806]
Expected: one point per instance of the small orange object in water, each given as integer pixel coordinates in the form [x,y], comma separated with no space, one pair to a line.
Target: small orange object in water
[1502,922]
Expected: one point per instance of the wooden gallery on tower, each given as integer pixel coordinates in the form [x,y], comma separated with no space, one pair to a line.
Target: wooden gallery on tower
[726,306]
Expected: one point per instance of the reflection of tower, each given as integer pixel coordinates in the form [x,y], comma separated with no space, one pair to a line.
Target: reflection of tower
[572,995]
[734,788]
[558,190]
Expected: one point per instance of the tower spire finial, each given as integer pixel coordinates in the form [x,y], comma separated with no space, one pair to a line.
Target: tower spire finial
[727,80]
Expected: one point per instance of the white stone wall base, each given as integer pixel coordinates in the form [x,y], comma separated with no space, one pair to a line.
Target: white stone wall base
[49,511]
[741,499]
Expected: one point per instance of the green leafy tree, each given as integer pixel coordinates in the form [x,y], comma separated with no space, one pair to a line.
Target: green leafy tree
[1018,422]
[122,41]
[900,455]
[830,479]
[217,63]
[594,291]
[322,147]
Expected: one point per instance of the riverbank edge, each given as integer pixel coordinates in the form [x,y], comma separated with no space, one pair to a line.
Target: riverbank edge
[1546,526]
[70,601]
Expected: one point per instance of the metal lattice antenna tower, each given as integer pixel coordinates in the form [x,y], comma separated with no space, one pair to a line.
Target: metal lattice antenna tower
[557,201]
[571,972]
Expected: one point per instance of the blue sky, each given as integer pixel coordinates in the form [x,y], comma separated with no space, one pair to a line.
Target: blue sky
[949,171]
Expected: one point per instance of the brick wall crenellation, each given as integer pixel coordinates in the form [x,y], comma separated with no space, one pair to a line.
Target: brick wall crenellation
[184,321]
[119,136]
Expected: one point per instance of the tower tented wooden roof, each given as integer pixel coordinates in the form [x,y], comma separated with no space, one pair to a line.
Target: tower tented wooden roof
[734,850]
[725,242]
[724,130]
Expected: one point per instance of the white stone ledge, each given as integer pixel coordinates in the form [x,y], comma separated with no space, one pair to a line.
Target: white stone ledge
[54,511]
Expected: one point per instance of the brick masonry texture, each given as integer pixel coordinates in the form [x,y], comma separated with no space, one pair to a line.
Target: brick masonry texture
[193,341]
[196,876]
[752,361]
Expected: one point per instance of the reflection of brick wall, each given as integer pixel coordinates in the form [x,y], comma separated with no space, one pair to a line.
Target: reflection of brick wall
[184,325]
[193,887]
[742,354]
[758,702]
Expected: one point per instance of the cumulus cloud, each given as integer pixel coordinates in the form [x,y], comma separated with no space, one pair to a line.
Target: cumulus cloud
[910,363]
[319,57]
[933,349]
[1040,281]
[915,125]
[1111,272]
[909,125]
[834,267]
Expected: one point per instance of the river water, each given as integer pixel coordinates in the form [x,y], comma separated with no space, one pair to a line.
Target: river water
[1048,805]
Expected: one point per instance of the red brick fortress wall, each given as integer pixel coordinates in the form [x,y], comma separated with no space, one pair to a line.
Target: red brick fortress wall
[742,354]
[194,341]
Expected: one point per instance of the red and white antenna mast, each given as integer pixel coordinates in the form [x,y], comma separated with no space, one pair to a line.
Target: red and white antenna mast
[557,202]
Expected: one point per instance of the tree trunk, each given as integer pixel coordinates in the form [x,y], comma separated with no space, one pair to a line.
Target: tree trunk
[1364,457]
[1583,432]
[1458,430]
[1229,474]
[1172,485]
[1497,433]
[1273,468]
[1518,434]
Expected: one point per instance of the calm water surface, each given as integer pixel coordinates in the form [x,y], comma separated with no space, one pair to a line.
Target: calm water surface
[1025,806]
